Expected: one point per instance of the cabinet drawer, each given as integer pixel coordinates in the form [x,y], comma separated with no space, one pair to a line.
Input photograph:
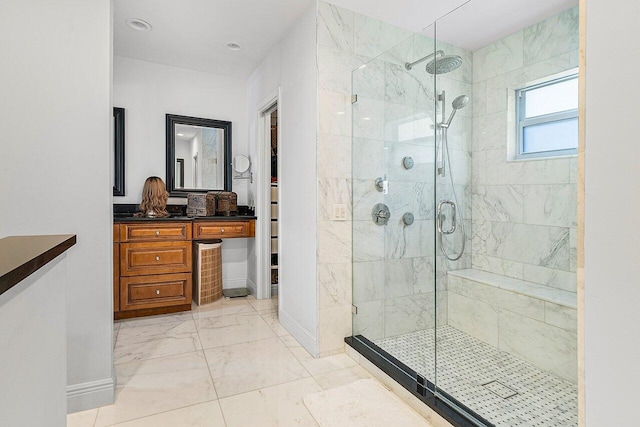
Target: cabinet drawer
[223,229]
[155,258]
[157,231]
[155,291]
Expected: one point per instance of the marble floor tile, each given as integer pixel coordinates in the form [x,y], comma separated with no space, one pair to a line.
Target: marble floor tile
[82,419]
[323,365]
[250,366]
[155,320]
[153,341]
[221,331]
[363,403]
[223,307]
[203,415]
[341,377]
[290,342]
[264,305]
[277,406]
[153,386]
[274,323]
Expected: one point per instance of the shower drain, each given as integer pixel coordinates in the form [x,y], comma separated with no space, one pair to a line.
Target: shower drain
[499,389]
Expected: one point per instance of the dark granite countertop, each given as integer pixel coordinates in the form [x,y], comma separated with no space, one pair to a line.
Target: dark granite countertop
[21,256]
[117,218]
[125,212]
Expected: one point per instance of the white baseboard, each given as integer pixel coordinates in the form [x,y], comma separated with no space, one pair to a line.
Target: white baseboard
[253,289]
[234,283]
[93,394]
[299,333]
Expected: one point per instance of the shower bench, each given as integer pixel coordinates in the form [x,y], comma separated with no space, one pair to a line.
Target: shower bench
[533,322]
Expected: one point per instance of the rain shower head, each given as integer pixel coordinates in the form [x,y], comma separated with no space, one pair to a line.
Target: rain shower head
[440,64]
[444,64]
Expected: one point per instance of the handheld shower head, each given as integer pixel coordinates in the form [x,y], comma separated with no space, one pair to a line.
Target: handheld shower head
[458,103]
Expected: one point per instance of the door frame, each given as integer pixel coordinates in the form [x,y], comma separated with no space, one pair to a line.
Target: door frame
[263,195]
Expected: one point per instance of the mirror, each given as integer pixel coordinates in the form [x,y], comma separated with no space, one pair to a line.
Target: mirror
[198,155]
[241,163]
[118,151]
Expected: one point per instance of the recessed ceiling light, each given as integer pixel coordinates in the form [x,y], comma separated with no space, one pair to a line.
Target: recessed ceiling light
[233,46]
[138,24]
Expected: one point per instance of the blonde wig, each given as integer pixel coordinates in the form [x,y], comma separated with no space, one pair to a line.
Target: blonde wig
[154,198]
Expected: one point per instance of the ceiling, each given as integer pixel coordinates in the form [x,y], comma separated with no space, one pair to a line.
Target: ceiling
[192,33]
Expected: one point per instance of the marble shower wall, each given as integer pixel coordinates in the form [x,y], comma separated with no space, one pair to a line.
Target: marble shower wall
[392,270]
[346,40]
[524,212]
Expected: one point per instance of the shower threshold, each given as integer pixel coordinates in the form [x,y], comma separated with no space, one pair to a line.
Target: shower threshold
[494,387]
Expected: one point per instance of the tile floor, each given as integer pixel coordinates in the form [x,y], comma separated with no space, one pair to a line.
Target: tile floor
[467,367]
[229,363]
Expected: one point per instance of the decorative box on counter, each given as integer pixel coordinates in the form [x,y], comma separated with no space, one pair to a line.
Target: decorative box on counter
[199,204]
[226,202]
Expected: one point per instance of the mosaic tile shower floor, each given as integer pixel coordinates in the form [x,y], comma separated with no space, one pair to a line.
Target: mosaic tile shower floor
[466,366]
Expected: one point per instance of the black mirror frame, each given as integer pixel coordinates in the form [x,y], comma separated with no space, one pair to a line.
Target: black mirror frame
[171,121]
[118,164]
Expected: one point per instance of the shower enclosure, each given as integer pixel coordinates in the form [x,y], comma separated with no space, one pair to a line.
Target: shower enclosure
[463,244]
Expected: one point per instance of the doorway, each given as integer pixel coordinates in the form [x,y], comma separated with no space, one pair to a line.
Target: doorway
[272,142]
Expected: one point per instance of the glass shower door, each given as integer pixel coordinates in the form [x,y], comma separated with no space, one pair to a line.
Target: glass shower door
[393,206]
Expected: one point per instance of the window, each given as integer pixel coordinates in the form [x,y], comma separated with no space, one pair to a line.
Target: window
[547,118]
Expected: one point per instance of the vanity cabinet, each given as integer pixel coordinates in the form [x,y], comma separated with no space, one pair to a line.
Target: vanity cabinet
[155,260]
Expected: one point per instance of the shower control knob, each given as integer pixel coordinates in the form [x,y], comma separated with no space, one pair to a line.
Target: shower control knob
[380,214]
[408,162]
[407,218]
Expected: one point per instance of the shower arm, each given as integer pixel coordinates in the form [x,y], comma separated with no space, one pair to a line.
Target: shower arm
[409,65]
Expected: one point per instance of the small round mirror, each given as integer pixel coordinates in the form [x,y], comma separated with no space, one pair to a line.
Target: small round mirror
[241,163]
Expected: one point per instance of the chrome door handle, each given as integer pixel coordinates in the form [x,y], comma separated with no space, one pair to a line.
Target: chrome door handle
[440,215]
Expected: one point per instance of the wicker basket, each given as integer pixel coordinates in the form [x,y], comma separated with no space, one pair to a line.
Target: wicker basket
[199,204]
[208,286]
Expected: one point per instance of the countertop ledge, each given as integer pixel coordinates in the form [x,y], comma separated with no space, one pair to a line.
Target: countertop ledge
[21,256]
[117,219]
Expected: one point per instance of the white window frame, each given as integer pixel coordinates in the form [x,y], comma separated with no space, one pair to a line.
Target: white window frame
[522,122]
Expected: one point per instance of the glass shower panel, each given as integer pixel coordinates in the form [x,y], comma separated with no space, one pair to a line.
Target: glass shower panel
[393,212]
[505,233]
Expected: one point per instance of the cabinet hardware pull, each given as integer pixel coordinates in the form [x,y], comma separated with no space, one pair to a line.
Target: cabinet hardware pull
[157,258]
[222,230]
[157,233]
[157,291]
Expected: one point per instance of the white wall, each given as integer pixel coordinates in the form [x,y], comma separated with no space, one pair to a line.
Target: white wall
[33,361]
[291,65]
[56,102]
[148,92]
[612,229]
